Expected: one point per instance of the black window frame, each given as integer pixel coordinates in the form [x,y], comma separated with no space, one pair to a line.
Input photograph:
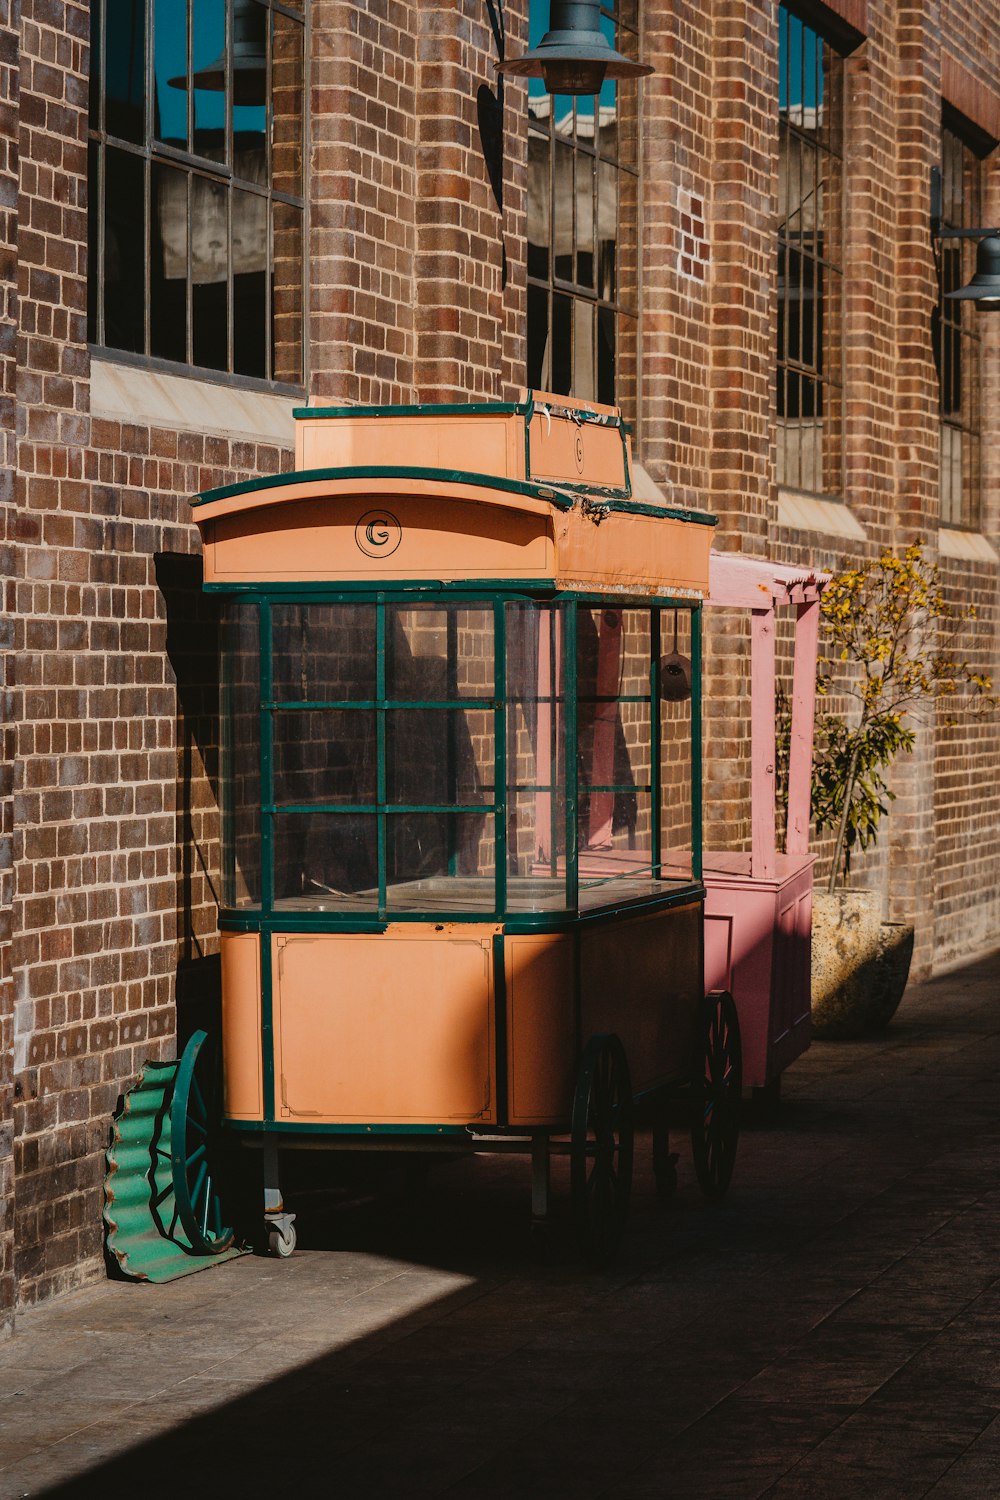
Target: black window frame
[136,147]
[569,287]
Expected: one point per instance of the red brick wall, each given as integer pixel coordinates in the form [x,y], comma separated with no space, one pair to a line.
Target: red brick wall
[8,627]
[108,809]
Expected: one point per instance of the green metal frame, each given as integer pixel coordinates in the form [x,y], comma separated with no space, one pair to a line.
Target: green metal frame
[269,921]
[376,918]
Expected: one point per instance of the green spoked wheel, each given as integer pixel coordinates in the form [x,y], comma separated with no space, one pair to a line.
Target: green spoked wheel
[715,1093]
[196,1147]
[601,1143]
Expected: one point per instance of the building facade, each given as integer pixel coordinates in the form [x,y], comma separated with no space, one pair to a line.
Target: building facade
[215,213]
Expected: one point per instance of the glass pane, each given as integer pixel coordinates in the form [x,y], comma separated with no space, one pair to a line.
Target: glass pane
[323,653]
[614,763]
[170,72]
[208,47]
[586,182]
[441,756]
[539,224]
[562,211]
[536,780]
[326,862]
[606,331]
[536,861]
[607,231]
[209,271]
[440,862]
[168,279]
[538,339]
[125,71]
[625,853]
[124,251]
[583,350]
[286,105]
[324,755]
[676,728]
[96,61]
[250,330]
[436,651]
[561,355]
[241,790]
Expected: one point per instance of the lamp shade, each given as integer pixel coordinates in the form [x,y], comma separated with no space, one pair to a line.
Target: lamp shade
[249,58]
[574,56]
[984,288]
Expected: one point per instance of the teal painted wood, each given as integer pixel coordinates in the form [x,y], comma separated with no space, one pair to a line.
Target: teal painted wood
[144,1236]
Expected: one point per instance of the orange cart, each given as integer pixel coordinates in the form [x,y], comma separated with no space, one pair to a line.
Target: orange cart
[461,747]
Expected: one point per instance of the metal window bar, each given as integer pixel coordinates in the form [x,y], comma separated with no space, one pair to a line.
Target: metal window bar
[959,341]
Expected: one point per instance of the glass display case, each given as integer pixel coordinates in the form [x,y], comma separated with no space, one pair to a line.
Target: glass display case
[391,759]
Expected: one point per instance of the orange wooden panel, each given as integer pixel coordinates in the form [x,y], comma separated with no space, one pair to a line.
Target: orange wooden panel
[472,442]
[541,1032]
[660,554]
[361,537]
[243,1062]
[642,978]
[578,453]
[391,1028]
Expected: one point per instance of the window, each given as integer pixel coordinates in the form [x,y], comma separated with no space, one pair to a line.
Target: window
[957,339]
[810,262]
[582,235]
[196,195]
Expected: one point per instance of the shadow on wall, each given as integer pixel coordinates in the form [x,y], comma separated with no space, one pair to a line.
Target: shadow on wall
[192,646]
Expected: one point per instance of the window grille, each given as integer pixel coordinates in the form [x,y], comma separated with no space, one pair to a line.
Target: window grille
[582,228]
[810,262]
[957,341]
[196,184]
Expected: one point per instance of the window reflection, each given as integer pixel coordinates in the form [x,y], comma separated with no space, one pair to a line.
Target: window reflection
[221,236]
[581,216]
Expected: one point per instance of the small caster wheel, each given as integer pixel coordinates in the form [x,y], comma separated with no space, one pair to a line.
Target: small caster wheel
[281,1245]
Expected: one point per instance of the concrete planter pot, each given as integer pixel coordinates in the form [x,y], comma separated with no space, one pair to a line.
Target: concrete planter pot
[860,964]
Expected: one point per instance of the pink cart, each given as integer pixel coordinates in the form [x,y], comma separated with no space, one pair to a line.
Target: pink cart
[758,911]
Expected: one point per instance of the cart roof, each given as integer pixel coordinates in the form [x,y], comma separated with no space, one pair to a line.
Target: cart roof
[537,491]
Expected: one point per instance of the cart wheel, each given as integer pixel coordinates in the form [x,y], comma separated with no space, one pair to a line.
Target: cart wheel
[715,1093]
[281,1245]
[601,1148]
[195,1147]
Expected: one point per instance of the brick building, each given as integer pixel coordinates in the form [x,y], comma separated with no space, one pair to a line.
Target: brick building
[209,219]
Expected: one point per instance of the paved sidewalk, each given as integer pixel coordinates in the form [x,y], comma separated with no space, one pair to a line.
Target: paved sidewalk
[831,1331]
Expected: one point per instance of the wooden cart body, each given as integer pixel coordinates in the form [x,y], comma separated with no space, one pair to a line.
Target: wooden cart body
[427,921]
[758,910]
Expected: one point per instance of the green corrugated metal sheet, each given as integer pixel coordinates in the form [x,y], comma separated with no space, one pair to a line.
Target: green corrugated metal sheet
[143,1234]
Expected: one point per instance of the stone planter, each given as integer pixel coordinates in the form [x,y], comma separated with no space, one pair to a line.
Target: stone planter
[860,964]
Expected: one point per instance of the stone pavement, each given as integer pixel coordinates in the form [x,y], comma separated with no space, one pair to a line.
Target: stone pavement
[830,1331]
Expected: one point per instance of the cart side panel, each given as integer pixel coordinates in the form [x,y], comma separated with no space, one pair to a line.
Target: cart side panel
[388,1028]
[339,537]
[757,946]
[642,978]
[490,443]
[243,1059]
[541,1027]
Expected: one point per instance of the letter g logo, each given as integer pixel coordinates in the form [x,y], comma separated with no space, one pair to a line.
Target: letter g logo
[378,533]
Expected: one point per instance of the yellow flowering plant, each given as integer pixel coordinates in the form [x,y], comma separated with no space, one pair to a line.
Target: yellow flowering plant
[888,647]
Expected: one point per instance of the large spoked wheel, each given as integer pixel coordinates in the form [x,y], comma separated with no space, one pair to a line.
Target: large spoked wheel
[715,1093]
[601,1148]
[195,1147]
